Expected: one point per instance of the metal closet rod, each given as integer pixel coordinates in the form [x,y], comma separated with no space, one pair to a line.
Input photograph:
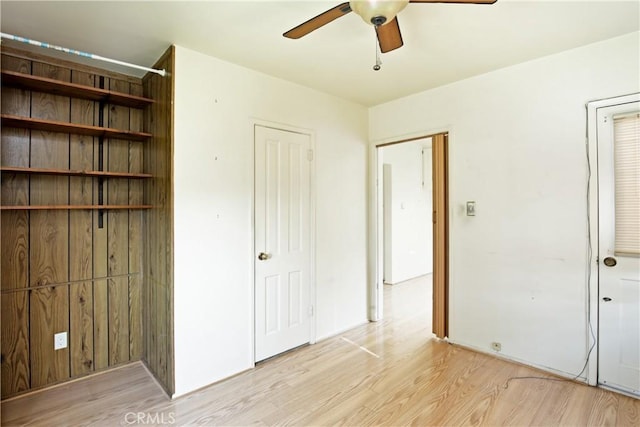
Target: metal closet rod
[80,53]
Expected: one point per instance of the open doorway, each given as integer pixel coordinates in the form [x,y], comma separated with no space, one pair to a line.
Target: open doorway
[407,230]
[407,206]
[420,182]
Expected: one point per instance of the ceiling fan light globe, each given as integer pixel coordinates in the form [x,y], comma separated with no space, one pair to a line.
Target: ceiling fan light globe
[371,10]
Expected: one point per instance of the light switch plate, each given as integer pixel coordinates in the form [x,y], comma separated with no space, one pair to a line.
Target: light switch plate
[471,208]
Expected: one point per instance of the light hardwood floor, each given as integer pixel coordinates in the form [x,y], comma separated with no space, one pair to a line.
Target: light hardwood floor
[400,376]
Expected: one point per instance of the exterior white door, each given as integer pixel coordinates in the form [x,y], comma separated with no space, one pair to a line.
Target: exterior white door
[282,241]
[619,250]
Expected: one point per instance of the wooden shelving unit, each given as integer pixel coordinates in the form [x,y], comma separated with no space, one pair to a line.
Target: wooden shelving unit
[72,207]
[62,172]
[72,90]
[86,212]
[65,127]
[56,87]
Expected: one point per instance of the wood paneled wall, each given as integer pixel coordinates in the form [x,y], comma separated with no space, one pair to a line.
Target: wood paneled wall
[158,265]
[60,270]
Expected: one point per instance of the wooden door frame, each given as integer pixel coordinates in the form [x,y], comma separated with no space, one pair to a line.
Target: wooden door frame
[440,221]
[312,225]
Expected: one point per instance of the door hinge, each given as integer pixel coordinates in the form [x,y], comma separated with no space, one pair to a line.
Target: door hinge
[310,155]
[310,311]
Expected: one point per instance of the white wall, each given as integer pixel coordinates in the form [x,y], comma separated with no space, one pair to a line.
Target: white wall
[215,103]
[408,228]
[517,147]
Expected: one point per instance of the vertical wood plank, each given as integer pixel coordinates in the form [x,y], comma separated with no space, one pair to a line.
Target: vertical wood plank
[118,235]
[164,218]
[157,255]
[15,243]
[135,317]
[49,229]
[81,328]
[158,286]
[16,367]
[440,236]
[118,320]
[80,237]
[136,161]
[150,154]
[49,236]
[49,314]
[14,151]
[100,324]
[100,251]
[80,188]
[163,336]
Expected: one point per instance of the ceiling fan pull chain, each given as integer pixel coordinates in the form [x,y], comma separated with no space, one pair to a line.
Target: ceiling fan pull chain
[378,61]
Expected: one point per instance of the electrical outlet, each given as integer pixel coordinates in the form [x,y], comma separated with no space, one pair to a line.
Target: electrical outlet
[496,346]
[60,341]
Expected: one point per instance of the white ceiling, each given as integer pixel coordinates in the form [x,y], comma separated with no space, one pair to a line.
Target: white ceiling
[442,42]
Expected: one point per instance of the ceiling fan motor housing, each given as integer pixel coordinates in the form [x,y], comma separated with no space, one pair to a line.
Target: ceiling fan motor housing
[377,12]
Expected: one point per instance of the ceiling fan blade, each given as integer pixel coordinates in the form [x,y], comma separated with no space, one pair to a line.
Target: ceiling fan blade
[318,21]
[455,1]
[389,36]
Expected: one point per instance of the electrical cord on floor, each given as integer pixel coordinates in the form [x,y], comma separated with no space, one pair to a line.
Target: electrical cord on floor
[593,344]
[588,284]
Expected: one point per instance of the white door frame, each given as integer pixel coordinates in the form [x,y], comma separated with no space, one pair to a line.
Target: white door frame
[593,206]
[312,225]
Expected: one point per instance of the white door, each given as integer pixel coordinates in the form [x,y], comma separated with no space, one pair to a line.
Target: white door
[619,249]
[282,241]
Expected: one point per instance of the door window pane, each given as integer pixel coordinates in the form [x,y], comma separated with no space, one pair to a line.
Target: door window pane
[626,136]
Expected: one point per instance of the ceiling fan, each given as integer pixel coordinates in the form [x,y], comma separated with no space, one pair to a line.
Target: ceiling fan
[379,13]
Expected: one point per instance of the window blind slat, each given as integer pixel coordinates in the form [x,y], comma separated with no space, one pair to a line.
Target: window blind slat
[626,136]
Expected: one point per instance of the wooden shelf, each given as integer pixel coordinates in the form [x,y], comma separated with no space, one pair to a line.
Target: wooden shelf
[63,172]
[65,127]
[72,207]
[57,87]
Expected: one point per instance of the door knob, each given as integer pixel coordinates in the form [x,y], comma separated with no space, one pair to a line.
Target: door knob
[610,261]
[606,299]
[263,256]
